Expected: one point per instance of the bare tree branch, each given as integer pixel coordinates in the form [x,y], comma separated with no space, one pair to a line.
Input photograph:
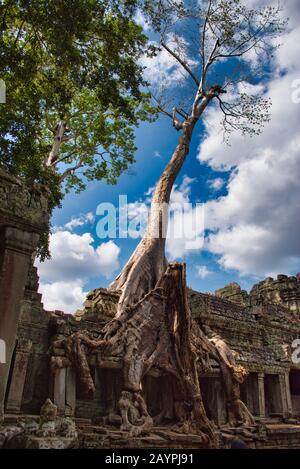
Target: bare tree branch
[169,114]
[71,170]
[203,37]
[248,39]
[209,62]
[176,122]
[182,62]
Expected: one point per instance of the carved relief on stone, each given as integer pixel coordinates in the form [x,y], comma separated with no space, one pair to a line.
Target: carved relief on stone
[29,203]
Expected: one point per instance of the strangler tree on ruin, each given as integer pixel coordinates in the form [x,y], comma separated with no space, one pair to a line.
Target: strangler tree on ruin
[224,49]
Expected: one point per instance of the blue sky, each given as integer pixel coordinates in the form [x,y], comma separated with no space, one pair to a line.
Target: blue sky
[250,193]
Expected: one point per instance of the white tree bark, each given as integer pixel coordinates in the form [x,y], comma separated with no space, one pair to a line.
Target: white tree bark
[59,133]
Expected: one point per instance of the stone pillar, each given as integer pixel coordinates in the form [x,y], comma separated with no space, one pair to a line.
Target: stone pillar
[23,217]
[261,394]
[60,390]
[284,391]
[70,392]
[221,407]
[15,395]
[98,393]
[17,247]
[288,394]
[250,393]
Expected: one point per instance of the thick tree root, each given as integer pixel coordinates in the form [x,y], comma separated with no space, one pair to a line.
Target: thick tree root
[134,414]
[158,331]
[141,273]
[233,376]
[77,347]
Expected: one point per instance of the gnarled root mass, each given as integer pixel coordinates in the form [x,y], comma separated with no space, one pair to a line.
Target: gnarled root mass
[158,331]
[233,376]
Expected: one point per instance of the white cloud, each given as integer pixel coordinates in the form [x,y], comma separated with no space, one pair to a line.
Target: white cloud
[73,256]
[63,296]
[163,69]
[203,272]
[141,20]
[185,231]
[80,220]
[181,195]
[186,222]
[216,184]
[74,261]
[256,226]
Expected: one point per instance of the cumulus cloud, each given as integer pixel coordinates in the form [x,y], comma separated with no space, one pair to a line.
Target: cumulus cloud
[74,261]
[141,20]
[163,69]
[63,296]
[186,222]
[81,220]
[74,256]
[255,227]
[76,221]
[216,184]
[203,272]
[185,231]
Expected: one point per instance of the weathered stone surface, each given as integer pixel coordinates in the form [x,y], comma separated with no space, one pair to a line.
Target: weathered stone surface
[9,433]
[233,292]
[24,216]
[114,419]
[49,443]
[259,327]
[284,291]
[23,204]
[101,303]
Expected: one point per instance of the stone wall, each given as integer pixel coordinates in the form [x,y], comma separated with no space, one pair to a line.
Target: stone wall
[233,292]
[33,331]
[284,291]
[259,327]
[23,218]
[261,335]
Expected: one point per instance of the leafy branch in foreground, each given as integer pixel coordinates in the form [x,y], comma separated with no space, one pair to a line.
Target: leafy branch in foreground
[75,91]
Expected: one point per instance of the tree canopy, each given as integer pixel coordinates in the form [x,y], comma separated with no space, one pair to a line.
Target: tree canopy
[224,47]
[75,90]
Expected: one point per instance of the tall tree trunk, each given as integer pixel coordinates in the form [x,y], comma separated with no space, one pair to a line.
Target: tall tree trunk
[59,134]
[153,327]
[147,264]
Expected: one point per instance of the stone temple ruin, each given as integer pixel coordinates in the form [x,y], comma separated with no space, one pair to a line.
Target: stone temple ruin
[260,327]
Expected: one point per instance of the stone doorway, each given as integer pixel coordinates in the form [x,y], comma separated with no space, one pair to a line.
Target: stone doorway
[250,393]
[108,383]
[158,392]
[273,398]
[214,399]
[295,391]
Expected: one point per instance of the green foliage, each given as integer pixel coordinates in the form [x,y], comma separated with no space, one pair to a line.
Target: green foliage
[76,62]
